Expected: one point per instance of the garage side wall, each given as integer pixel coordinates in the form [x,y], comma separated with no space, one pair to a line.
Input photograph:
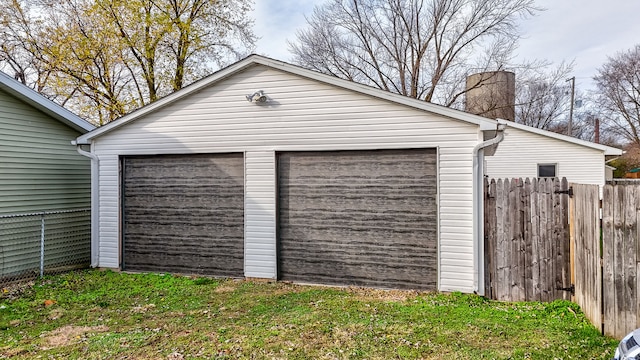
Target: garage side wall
[301,115]
[578,164]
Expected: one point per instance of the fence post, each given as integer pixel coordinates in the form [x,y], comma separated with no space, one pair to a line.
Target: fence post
[42,244]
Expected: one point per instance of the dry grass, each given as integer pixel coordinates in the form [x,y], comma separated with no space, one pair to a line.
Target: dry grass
[68,334]
[106,315]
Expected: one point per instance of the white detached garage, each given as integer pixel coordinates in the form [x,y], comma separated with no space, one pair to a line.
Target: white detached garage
[315,179]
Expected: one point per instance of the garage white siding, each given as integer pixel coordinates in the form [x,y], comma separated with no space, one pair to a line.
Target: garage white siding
[109,211]
[579,164]
[302,115]
[260,214]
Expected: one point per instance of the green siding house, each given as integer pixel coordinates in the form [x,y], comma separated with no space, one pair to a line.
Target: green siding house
[43,180]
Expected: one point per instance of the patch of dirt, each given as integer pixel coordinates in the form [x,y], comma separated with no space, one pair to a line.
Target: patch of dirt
[383,294]
[285,287]
[55,314]
[143,309]
[175,356]
[12,351]
[67,334]
[224,289]
[13,291]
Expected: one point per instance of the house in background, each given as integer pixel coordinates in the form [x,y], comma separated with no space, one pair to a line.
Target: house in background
[268,170]
[40,171]
[528,152]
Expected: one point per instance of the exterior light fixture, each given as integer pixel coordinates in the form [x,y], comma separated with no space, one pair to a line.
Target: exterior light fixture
[257,97]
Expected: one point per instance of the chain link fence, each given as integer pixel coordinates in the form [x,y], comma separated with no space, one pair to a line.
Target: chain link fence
[35,244]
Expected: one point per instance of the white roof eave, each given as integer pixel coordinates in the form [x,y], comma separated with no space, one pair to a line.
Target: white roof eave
[483,123]
[33,98]
[608,150]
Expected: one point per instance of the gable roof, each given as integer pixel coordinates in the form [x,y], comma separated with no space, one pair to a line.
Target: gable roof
[608,150]
[251,60]
[36,100]
[482,122]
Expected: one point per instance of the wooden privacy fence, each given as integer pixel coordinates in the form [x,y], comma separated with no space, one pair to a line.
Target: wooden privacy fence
[527,248]
[606,256]
[585,242]
[545,238]
[621,262]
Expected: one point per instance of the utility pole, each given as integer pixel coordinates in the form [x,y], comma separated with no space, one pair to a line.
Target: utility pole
[573,92]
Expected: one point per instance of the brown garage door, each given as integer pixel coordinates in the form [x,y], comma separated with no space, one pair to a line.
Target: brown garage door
[184,214]
[363,218]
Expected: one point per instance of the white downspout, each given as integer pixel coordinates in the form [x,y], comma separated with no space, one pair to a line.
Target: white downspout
[478,207]
[95,212]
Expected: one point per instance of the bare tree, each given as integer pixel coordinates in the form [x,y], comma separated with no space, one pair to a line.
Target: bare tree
[85,59]
[105,58]
[618,82]
[542,95]
[171,43]
[418,48]
[16,53]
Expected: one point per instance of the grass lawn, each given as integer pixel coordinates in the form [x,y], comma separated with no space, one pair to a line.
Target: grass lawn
[107,315]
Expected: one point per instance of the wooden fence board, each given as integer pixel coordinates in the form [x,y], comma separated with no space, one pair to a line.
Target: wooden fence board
[550,250]
[501,279]
[489,212]
[564,239]
[618,248]
[558,240]
[629,256]
[536,246]
[620,205]
[608,230]
[542,230]
[549,243]
[585,236]
[517,280]
[527,239]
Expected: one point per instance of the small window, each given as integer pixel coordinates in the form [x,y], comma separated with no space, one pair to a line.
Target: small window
[547,170]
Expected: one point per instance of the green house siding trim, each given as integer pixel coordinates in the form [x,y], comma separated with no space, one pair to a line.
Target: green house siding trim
[39,168]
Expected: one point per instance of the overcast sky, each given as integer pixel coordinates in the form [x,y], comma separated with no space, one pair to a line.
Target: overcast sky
[586,31]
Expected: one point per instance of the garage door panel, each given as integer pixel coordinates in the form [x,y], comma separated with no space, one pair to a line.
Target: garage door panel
[359,217]
[181,201]
[392,219]
[374,236]
[222,239]
[375,275]
[196,220]
[184,213]
[358,163]
[354,247]
[188,249]
[193,252]
[397,258]
[310,201]
[181,263]
[184,227]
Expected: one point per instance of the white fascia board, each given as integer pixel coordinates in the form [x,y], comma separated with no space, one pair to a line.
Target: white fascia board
[33,98]
[483,123]
[608,150]
[173,97]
